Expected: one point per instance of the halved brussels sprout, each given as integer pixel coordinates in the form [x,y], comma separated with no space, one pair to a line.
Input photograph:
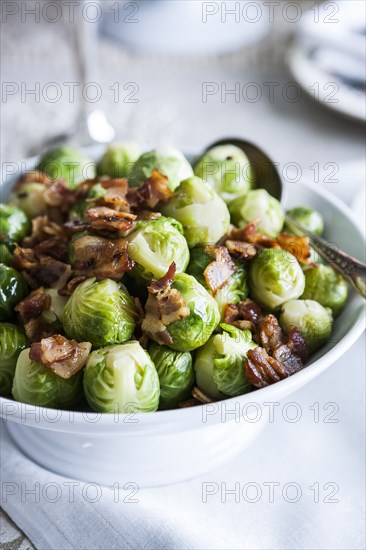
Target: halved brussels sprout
[326,286]
[193,331]
[155,244]
[236,288]
[310,219]
[167,160]
[29,197]
[118,160]
[176,374]
[100,312]
[39,385]
[12,342]
[203,214]
[121,379]
[310,318]
[258,205]
[275,276]
[219,364]
[227,169]
[12,290]
[14,224]
[68,164]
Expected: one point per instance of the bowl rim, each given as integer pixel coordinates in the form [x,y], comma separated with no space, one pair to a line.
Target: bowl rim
[178,419]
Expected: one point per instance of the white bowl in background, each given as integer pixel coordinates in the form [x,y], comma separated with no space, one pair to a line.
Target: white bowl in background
[171,446]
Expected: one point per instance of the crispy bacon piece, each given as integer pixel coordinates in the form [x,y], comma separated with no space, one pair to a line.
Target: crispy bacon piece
[30,312]
[218,272]
[104,218]
[270,333]
[164,306]
[298,246]
[262,370]
[290,362]
[154,190]
[71,285]
[33,305]
[51,273]
[101,258]
[42,229]
[24,258]
[246,310]
[297,344]
[245,251]
[64,357]
[164,282]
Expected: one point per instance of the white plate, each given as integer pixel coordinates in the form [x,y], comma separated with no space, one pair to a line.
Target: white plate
[170,446]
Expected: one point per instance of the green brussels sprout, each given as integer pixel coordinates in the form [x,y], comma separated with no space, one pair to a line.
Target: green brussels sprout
[100,312]
[6,257]
[258,205]
[310,219]
[326,286]
[227,170]
[67,164]
[195,329]
[12,342]
[176,374]
[12,290]
[14,224]
[203,214]
[236,288]
[275,276]
[168,161]
[121,379]
[29,197]
[219,364]
[118,160]
[78,210]
[310,318]
[39,385]
[155,244]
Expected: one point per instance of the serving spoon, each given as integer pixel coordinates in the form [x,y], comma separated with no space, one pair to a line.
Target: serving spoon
[267,177]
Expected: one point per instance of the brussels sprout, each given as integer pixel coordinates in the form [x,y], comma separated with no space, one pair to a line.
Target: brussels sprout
[168,161]
[310,219]
[227,169]
[14,224]
[12,342]
[78,210]
[275,276]
[326,286]
[235,290]
[310,318]
[6,257]
[67,164]
[118,160]
[39,385]
[219,364]
[195,329]
[29,197]
[203,214]
[121,379]
[176,374]
[12,290]
[155,244]
[100,312]
[258,205]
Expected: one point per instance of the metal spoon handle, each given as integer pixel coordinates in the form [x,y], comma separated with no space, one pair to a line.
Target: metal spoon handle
[352,270]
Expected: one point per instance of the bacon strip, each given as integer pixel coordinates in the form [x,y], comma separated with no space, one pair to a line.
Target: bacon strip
[104,218]
[270,333]
[30,312]
[164,282]
[64,357]
[298,246]
[101,258]
[218,272]
[245,251]
[154,190]
[263,370]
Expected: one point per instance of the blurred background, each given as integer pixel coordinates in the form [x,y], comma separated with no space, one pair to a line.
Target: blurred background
[289,76]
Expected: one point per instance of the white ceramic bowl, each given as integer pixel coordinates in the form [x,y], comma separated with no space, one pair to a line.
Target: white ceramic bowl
[171,446]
